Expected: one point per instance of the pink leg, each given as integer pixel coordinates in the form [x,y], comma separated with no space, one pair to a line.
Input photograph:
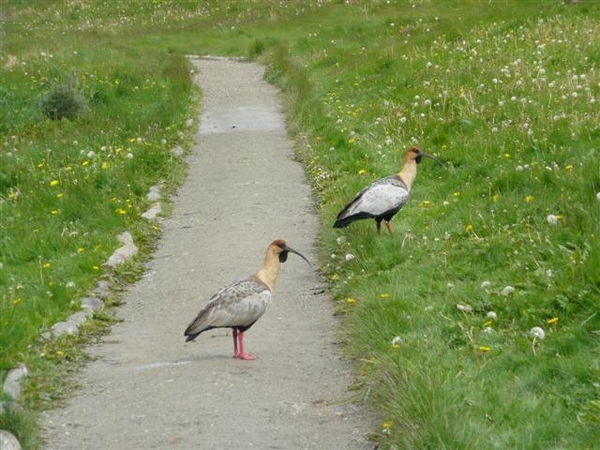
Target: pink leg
[236,353]
[389,227]
[240,346]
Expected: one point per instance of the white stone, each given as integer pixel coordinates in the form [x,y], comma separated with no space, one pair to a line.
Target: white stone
[153,212]
[12,383]
[124,253]
[8,441]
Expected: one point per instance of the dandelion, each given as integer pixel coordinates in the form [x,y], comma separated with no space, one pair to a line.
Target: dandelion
[54,183]
[464,308]
[350,301]
[507,291]
[106,165]
[486,284]
[598,196]
[386,427]
[491,315]
[552,219]
[350,257]
[384,295]
[340,240]
[396,342]
[538,334]
[361,171]
[16,301]
[484,348]
[425,204]
[552,321]
[469,228]
[529,198]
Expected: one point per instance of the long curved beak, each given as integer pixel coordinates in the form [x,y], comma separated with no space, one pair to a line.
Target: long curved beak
[298,253]
[432,157]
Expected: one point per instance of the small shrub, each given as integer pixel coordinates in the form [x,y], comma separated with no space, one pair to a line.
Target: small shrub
[64,101]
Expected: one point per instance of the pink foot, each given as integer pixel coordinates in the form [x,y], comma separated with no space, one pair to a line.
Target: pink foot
[245,356]
[238,347]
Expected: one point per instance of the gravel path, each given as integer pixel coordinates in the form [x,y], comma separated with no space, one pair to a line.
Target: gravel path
[150,390]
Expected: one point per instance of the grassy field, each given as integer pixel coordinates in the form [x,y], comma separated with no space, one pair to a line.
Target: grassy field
[477,324]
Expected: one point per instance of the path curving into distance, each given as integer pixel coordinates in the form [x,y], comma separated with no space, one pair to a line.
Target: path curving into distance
[148,389]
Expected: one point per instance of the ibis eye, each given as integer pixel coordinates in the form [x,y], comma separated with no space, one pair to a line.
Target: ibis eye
[283,256]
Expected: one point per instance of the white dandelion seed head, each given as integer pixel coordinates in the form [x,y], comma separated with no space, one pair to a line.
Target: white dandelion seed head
[341,240]
[397,340]
[552,219]
[464,308]
[450,286]
[538,333]
[598,196]
[488,330]
[350,257]
[491,315]
[91,154]
[507,291]
[486,284]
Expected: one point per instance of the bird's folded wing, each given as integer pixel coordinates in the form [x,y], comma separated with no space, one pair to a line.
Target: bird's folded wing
[239,304]
[379,199]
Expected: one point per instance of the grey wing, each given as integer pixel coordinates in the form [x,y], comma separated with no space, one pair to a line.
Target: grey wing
[239,304]
[379,197]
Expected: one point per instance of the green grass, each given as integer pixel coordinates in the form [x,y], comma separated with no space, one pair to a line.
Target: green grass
[506,93]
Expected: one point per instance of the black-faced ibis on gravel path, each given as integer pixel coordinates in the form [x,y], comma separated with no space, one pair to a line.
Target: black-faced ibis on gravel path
[241,304]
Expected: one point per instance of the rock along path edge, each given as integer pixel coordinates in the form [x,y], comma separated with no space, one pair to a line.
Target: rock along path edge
[146,388]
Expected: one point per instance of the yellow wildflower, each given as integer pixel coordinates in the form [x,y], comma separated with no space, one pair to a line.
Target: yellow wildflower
[529,198]
[552,320]
[469,228]
[484,348]
[54,183]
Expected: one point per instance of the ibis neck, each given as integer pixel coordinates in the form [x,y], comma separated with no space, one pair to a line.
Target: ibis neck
[269,271]
[408,173]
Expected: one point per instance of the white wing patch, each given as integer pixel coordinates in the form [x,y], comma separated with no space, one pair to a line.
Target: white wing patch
[379,199]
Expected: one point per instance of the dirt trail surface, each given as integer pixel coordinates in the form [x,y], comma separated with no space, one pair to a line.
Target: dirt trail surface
[148,389]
